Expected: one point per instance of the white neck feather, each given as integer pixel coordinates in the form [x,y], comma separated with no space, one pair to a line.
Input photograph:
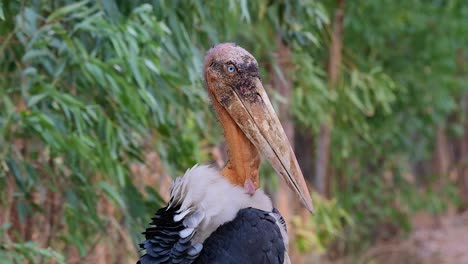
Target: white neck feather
[211,200]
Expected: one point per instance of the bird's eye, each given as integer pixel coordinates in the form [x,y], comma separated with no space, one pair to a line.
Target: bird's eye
[230,68]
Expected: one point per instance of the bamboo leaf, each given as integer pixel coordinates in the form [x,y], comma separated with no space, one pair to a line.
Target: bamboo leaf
[65,10]
[2,14]
[112,193]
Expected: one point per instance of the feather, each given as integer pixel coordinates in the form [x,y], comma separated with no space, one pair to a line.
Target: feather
[200,202]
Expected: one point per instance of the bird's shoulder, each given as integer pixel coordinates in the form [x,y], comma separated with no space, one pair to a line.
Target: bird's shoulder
[254,236]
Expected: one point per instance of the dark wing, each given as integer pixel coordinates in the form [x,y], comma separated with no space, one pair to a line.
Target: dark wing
[252,237]
[168,241]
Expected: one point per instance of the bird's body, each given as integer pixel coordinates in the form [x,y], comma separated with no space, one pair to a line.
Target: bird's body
[222,216]
[193,221]
[255,235]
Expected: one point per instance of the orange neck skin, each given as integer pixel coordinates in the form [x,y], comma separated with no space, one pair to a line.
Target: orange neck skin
[244,160]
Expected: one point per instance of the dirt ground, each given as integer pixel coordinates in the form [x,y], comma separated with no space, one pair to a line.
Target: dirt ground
[434,240]
[442,240]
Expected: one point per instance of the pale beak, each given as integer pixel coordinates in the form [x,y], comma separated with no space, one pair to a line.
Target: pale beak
[253,113]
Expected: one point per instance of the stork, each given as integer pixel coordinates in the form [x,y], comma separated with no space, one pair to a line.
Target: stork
[222,216]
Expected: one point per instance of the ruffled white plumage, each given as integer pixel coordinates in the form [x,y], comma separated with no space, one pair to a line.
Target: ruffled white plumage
[209,200]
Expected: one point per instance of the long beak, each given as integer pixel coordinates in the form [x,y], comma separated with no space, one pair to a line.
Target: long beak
[254,114]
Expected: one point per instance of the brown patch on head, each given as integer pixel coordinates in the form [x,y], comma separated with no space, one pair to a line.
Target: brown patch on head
[228,52]
[230,66]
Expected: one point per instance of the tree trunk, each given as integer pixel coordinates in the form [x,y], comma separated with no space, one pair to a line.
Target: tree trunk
[304,146]
[464,158]
[323,179]
[12,214]
[441,155]
[463,143]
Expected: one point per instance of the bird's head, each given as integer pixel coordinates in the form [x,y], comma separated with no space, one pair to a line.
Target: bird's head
[249,120]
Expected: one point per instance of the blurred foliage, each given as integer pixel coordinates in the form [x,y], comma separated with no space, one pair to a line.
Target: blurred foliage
[328,224]
[88,87]
[414,52]
[402,76]
[84,94]
[22,252]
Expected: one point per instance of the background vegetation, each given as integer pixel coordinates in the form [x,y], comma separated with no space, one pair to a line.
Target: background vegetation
[100,101]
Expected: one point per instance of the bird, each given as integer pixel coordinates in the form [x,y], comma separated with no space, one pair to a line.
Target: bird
[222,216]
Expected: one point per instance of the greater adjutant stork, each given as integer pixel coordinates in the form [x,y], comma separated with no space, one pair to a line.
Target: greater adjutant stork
[222,216]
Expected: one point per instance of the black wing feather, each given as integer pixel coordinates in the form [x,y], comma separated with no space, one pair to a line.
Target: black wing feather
[252,237]
[163,243]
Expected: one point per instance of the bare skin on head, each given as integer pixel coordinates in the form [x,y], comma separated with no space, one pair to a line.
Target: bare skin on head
[249,122]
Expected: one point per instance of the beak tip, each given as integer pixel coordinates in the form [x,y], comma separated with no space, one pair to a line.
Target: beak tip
[310,207]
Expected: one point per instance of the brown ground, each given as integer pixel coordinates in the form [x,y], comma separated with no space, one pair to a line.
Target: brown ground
[434,240]
[442,239]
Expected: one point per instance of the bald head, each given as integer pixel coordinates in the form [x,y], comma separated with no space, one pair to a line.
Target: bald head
[227,60]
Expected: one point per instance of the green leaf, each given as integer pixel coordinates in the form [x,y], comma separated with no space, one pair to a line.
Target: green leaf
[2,15]
[33,100]
[65,11]
[113,194]
[151,66]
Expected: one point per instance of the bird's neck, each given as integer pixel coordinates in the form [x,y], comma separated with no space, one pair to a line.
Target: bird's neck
[244,161]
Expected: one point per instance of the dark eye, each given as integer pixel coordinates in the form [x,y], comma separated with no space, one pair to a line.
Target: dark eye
[230,68]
